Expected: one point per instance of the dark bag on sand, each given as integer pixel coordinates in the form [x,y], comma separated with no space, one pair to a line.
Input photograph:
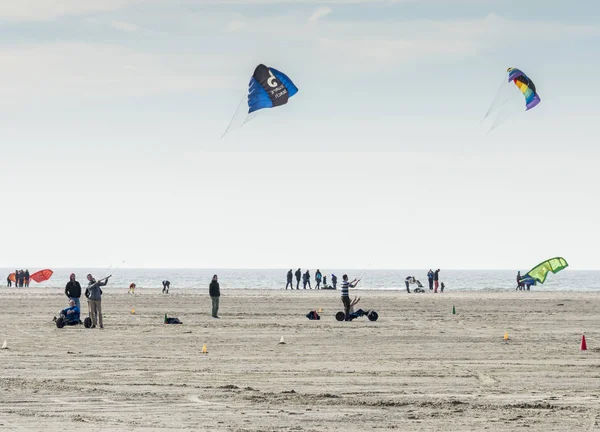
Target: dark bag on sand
[173,321]
[313,315]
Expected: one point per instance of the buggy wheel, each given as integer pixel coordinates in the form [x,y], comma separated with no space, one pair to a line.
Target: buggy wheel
[60,322]
[372,316]
[340,316]
[87,323]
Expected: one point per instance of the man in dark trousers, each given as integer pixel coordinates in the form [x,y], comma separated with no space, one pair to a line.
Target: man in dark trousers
[298,275]
[430,279]
[290,278]
[73,290]
[215,293]
[334,281]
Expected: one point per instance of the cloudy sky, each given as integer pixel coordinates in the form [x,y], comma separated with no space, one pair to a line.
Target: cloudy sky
[111,114]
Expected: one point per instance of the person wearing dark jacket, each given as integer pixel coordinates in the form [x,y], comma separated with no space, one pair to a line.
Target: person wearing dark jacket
[334,281]
[94,295]
[430,279]
[298,275]
[215,293]
[73,290]
[26,278]
[436,278]
[8,282]
[306,279]
[290,278]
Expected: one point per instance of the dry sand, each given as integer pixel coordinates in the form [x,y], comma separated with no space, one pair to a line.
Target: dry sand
[418,368]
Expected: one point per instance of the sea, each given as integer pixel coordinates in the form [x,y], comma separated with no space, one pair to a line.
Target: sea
[455,280]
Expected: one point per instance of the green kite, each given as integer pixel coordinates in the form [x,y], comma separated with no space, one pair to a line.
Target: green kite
[540,271]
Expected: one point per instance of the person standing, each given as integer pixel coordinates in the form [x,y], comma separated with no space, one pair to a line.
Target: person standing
[318,279]
[8,282]
[298,275]
[95,299]
[290,278]
[26,278]
[307,279]
[346,295]
[21,278]
[215,294]
[73,290]
[430,279]
[334,281]
[436,280]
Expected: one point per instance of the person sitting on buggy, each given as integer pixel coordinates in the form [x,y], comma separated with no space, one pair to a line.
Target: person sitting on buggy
[70,315]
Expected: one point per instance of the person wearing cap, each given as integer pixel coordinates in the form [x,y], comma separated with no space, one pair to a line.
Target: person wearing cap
[94,295]
[73,290]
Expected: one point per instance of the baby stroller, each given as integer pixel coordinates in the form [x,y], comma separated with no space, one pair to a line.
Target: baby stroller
[419,288]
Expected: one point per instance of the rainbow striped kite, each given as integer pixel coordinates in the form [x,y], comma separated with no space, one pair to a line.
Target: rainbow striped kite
[526,86]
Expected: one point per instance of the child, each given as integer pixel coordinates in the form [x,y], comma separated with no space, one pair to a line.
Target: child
[131,289]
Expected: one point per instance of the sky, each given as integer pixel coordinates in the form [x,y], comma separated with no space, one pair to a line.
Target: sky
[112,111]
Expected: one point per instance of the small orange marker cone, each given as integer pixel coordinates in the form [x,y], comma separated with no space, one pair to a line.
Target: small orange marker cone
[320,310]
[583,343]
[204,351]
[505,336]
[132,311]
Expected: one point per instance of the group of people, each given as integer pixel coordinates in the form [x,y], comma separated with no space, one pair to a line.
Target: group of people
[93,293]
[433,277]
[21,279]
[320,280]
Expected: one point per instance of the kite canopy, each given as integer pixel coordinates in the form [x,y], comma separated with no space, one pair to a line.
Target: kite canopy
[42,275]
[269,88]
[540,271]
[526,85]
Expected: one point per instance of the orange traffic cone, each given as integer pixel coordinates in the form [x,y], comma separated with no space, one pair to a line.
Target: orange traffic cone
[583,344]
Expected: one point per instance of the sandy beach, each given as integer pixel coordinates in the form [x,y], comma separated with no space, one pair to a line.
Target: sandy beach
[419,367]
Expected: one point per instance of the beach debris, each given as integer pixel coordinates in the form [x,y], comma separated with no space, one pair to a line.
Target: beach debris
[506,336]
[204,350]
[583,346]
[281,341]
[453,310]
[4,345]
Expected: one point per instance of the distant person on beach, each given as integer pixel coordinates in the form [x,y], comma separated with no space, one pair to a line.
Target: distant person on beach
[26,278]
[436,278]
[520,284]
[306,279]
[325,281]
[318,278]
[8,282]
[334,281]
[442,286]
[73,290]
[20,278]
[298,275]
[346,294]
[131,288]
[290,279]
[430,279]
[215,293]
[94,295]
[409,280]
[166,285]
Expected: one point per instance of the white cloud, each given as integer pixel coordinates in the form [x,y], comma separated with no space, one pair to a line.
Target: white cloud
[79,70]
[41,10]
[125,26]
[320,13]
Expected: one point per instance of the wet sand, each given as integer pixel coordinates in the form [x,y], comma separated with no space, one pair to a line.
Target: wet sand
[417,368]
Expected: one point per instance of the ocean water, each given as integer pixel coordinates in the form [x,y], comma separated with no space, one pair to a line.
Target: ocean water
[458,280]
